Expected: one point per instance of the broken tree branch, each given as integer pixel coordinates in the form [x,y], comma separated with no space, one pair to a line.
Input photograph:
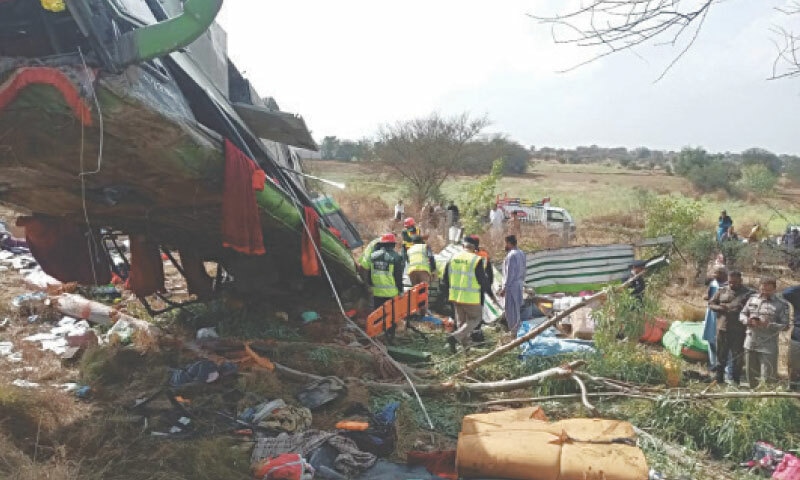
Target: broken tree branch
[544,326]
[667,396]
[563,371]
[584,398]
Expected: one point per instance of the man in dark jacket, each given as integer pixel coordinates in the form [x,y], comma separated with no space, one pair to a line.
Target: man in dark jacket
[728,303]
[792,295]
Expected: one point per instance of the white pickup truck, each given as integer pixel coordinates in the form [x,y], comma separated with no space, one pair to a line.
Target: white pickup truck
[555,219]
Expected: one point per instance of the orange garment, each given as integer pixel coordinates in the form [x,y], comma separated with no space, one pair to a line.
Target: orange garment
[241,223]
[309,257]
[62,250]
[147,268]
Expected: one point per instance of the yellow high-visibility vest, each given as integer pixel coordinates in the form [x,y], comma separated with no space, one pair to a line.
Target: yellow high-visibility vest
[464,286]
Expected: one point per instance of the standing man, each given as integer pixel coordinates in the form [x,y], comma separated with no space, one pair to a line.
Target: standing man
[452,214]
[496,218]
[399,210]
[728,303]
[514,269]
[724,223]
[765,316]
[421,263]
[410,230]
[386,271]
[465,280]
[710,321]
[364,261]
[792,295]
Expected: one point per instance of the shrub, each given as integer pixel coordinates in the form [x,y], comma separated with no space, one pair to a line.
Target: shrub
[758,179]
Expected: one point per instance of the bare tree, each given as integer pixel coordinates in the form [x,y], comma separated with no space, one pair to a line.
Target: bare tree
[619,25]
[787,62]
[424,152]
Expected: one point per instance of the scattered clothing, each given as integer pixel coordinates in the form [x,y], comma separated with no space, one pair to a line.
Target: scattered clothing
[321,392]
[350,460]
[200,372]
[440,463]
[287,466]
[289,419]
[241,222]
[147,269]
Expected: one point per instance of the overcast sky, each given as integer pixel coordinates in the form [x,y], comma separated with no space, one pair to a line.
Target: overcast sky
[351,65]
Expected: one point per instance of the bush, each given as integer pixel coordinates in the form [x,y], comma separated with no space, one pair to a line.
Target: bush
[671,215]
[700,248]
[758,179]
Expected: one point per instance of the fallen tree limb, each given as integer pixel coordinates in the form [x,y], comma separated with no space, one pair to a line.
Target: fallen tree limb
[564,371]
[584,397]
[566,396]
[544,326]
[642,396]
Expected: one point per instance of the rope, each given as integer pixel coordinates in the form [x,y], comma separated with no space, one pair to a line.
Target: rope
[90,240]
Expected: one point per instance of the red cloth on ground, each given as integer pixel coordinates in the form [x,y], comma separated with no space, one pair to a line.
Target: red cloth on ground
[441,463]
[310,259]
[241,224]
[197,278]
[62,250]
[27,76]
[147,268]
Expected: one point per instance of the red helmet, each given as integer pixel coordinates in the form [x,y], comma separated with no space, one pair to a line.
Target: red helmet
[409,222]
[388,238]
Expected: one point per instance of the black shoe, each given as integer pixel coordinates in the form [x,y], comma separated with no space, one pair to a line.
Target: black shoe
[451,341]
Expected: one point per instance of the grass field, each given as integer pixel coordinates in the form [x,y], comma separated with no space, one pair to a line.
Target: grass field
[587,191]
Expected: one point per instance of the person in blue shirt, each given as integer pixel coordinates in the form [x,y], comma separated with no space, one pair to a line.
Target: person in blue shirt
[725,222]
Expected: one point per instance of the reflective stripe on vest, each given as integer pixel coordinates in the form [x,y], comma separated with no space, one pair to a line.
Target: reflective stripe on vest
[366,253]
[382,274]
[418,258]
[408,233]
[464,286]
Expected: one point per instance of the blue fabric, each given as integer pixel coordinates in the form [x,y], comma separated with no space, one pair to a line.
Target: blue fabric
[710,326]
[722,226]
[514,268]
[388,415]
[547,344]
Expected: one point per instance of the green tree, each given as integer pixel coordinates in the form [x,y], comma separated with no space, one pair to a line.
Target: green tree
[329,147]
[479,196]
[757,178]
[759,156]
[672,215]
[424,152]
[706,172]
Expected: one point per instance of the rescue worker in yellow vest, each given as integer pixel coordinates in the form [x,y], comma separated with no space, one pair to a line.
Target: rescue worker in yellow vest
[465,281]
[364,261]
[477,334]
[411,229]
[421,263]
[386,271]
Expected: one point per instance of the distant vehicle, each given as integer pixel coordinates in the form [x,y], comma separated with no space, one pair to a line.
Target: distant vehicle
[555,219]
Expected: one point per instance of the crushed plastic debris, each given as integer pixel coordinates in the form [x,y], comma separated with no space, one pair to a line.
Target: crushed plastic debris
[57,339]
[206,333]
[25,384]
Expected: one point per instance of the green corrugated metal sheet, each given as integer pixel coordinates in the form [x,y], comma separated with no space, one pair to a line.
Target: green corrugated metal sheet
[574,269]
